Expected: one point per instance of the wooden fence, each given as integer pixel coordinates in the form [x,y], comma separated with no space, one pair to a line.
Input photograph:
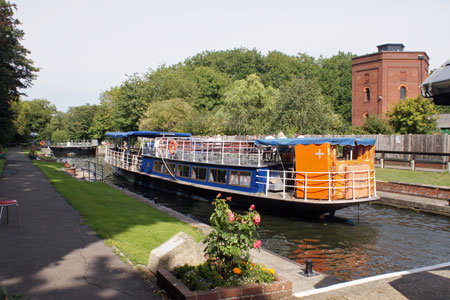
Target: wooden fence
[407,150]
[410,149]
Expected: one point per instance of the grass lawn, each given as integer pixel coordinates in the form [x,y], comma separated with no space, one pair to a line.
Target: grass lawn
[123,221]
[408,176]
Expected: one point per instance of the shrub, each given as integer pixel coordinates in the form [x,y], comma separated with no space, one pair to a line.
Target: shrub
[228,250]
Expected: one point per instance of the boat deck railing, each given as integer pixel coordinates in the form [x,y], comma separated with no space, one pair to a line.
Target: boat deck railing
[319,185]
[131,162]
[241,153]
[342,185]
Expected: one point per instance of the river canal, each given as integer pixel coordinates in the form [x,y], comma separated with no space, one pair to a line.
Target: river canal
[385,240]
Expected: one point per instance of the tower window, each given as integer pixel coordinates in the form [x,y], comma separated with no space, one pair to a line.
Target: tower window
[402,93]
[367,94]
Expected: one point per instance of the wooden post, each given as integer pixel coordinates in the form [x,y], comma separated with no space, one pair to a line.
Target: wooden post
[413,162]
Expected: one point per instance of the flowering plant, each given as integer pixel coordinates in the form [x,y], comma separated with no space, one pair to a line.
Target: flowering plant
[228,250]
[233,234]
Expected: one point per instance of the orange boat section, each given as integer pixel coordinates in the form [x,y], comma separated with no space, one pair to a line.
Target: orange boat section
[328,173]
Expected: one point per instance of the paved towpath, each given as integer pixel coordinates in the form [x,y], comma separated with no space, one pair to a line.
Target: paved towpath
[430,283]
[53,255]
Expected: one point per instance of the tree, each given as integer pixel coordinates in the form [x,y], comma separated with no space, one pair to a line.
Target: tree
[130,104]
[33,116]
[280,69]
[59,135]
[211,85]
[247,106]
[80,120]
[104,120]
[237,63]
[16,70]
[335,78]
[169,115]
[375,125]
[413,116]
[301,108]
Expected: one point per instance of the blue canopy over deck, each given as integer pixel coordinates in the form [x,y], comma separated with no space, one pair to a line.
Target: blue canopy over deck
[317,141]
[150,134]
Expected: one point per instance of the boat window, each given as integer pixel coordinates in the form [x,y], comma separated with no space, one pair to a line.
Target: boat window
[218,176]
[198,173]
[183,171]
[158,166]
[171,166]
[240,178]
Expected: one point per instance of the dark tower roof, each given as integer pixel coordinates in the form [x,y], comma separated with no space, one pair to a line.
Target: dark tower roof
[391,47]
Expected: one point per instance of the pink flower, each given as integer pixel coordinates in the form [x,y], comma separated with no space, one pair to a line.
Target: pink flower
[220,195]
[229,198]
[230,216]
[257,219]
[252,207]
[257,244]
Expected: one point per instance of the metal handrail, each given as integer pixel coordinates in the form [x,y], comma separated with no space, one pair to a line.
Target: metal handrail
[332,183]
[72,143]
[123,160]
[202,150]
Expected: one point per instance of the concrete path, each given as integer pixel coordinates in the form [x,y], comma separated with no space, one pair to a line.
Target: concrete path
[429,205]
[431,283]
[53,255]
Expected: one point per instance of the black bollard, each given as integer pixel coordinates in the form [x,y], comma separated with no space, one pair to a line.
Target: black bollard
[308,268]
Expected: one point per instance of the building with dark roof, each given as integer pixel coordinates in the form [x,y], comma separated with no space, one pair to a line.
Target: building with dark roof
[381,79]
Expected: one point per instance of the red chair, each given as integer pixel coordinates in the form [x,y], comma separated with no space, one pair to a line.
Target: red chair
[7,204]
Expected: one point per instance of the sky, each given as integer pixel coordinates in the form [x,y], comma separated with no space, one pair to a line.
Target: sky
[85,47]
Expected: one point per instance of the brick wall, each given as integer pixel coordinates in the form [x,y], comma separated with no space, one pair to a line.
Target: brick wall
[384,73]
[279,289]
[442,193]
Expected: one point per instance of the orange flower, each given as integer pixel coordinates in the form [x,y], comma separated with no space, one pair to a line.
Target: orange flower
[237,271]
[243,262]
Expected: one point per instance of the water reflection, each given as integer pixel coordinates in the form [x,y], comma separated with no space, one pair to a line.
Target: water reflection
[385,240]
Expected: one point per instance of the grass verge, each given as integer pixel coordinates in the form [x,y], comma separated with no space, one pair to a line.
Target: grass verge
[409,176]
[132,226]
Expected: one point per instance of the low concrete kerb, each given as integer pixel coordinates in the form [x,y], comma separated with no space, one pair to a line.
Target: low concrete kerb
[368,279]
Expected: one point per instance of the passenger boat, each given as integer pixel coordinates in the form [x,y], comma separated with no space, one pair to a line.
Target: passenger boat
[299,175]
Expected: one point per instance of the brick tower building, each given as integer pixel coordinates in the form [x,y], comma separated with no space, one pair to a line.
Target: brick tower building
[382,79]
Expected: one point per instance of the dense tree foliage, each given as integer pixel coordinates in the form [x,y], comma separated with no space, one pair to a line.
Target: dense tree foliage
[413,116]
[80,120]
[335,78]
[248,105]
[16,70]
[171,115]
[34,116]
[301,108]
[234,92]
